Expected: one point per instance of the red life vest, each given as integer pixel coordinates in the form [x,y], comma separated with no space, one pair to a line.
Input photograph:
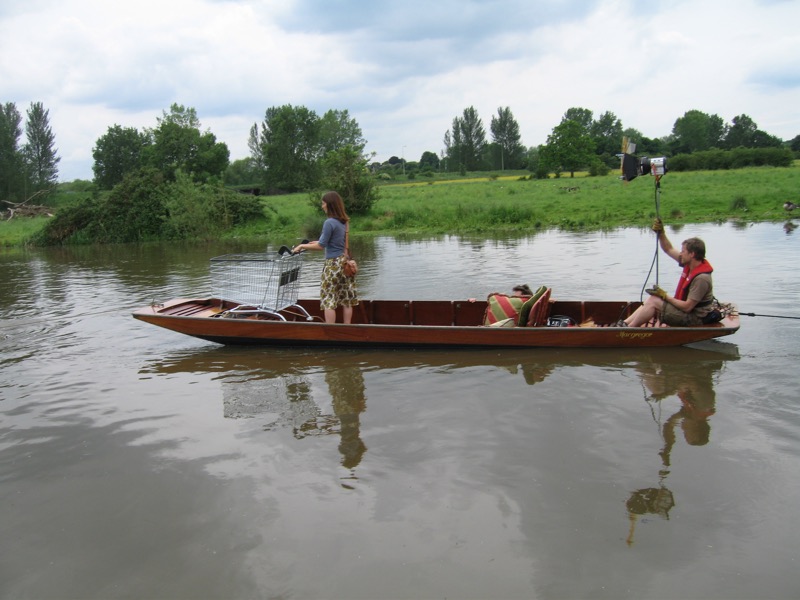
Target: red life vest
[682,291]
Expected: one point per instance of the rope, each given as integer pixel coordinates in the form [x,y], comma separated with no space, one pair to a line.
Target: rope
[749,314]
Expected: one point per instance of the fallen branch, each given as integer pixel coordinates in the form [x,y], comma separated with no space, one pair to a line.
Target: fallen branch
[24,209]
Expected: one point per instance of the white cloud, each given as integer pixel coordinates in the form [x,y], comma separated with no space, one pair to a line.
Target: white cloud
[403,70]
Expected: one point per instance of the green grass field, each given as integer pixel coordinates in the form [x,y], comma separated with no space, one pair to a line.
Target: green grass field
[512,203]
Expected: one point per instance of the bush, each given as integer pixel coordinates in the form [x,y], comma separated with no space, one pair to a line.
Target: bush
[67,225]
[144,207]
[598,169]
[731,159]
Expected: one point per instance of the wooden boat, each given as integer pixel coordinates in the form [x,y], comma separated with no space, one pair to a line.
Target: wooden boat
[420,324]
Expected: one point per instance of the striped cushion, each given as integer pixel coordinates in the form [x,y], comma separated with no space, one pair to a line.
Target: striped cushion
[500,306]
[540,311]
[525,311]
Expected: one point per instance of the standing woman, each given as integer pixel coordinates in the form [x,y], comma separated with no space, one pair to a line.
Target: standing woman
[335,288]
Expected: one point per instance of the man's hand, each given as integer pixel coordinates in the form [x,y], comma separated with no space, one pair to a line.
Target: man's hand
[657,291]
[658,226]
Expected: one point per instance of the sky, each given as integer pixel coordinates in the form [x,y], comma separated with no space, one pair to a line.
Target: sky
[403,69]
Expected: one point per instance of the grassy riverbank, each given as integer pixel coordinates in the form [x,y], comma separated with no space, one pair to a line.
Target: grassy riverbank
[516,204]
[512,205]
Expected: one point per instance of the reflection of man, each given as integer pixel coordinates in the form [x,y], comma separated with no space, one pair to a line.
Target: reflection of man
[346,387]
[693,297]
[693,384]
[698,404]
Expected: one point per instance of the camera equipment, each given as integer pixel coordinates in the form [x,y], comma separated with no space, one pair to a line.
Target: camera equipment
[632,166]
[560,321]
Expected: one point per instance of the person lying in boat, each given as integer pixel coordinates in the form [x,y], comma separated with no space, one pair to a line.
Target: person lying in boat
[519,291]
[694,295]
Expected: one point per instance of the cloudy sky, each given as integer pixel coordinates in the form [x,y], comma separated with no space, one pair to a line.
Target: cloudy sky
[403,69]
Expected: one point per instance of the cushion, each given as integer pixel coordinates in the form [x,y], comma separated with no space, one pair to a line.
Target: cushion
[509,322]
[500,306]
[525,311]
[539,311]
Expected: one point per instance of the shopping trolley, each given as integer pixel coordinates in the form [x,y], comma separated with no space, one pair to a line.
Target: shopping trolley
[261,285]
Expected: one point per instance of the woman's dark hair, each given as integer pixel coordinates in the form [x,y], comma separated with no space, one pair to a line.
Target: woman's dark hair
[335,206]
[523,289]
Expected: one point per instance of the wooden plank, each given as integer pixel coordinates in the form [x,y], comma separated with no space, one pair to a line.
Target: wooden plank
[432,312]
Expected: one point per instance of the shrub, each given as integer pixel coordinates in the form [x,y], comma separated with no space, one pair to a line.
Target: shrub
[739,203]
[598,169]
[67,224]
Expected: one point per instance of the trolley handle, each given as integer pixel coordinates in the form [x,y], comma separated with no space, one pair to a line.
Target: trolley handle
[284,250]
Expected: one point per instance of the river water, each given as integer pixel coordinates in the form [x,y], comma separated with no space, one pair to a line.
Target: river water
[139,463]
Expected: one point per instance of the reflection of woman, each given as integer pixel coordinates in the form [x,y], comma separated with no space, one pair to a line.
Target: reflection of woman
[336,289]
[346,387]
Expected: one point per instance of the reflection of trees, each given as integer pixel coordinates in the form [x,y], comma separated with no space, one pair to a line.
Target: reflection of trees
[693,384]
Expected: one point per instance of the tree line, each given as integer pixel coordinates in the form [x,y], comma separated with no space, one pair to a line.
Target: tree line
[293,149]
[581,141]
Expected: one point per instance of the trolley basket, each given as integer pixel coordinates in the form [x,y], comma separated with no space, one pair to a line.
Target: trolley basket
[261,283]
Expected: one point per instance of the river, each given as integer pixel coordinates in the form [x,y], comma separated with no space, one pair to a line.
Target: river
[139,463]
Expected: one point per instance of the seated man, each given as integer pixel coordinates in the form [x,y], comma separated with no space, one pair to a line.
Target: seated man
[694,296]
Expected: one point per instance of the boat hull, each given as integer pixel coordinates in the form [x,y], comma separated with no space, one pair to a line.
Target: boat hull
[417,324]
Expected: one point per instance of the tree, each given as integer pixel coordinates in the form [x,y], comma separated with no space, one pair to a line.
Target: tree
[696,131]
[505,133]
[429,161]
[606,133]
[117,153]
[468,141]
[762,139]
[345,170]
[741,133]
[337,130]
[243,172]
[646,146]
[12,173]
[449,154]
[39,151]
[582,116]
[178,145]
[568,148]
[289,147]
[180,115]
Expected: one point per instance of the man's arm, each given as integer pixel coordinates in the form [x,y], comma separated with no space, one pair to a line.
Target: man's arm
[664,242]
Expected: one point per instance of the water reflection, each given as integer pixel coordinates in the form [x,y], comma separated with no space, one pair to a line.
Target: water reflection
[284,395]
[693,384]
[346,387]
[318,393]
